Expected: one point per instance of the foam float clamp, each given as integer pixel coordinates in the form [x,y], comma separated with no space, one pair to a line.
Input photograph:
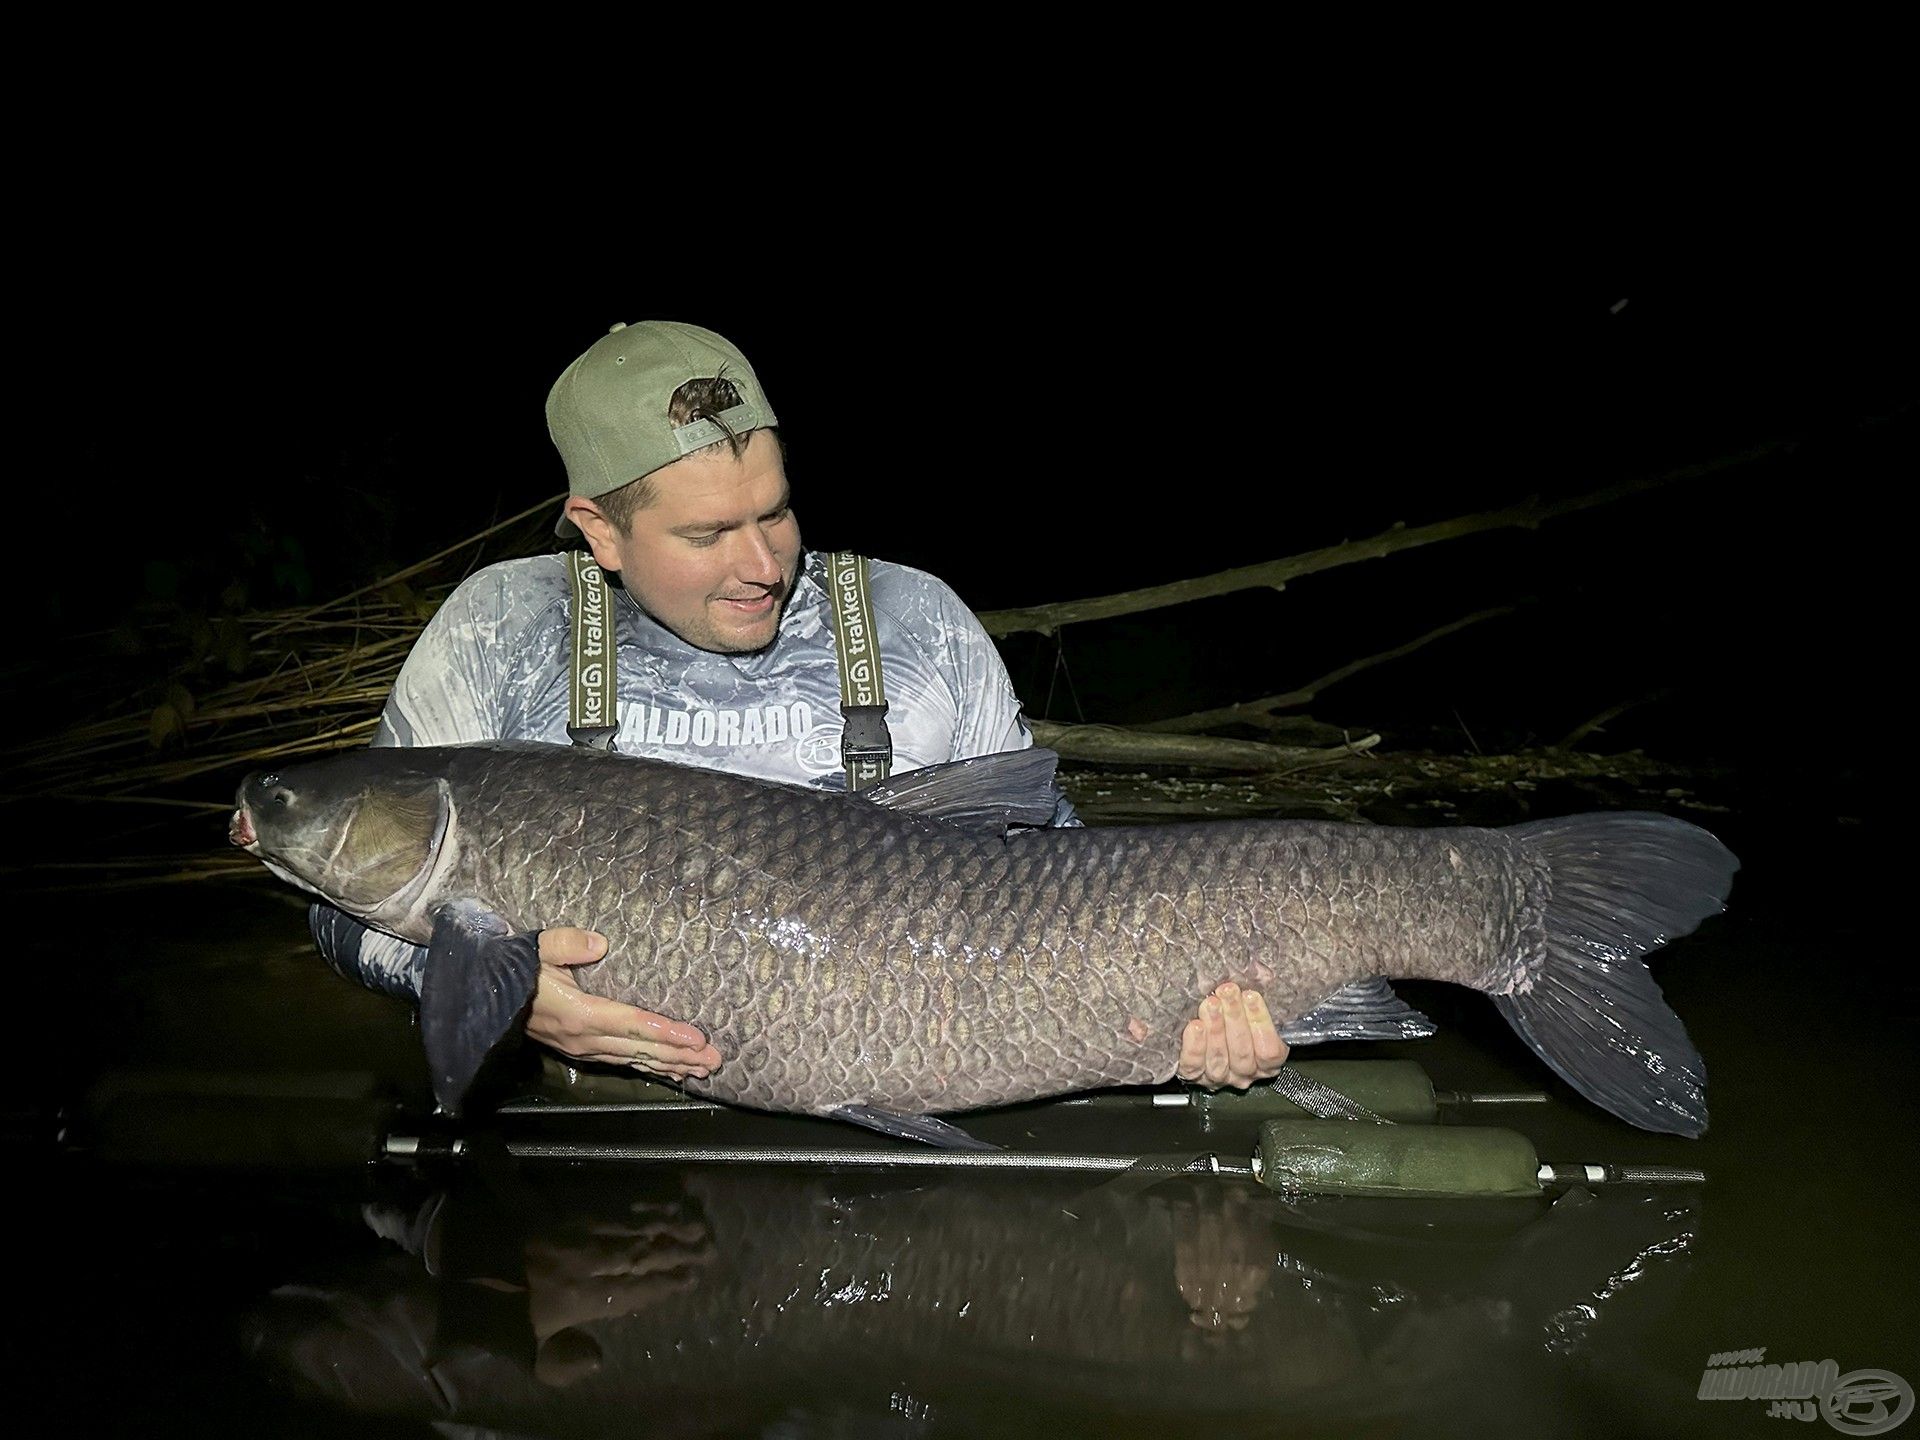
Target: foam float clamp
[1340,1157]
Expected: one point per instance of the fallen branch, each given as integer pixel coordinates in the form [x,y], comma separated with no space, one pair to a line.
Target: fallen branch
[1402,787]
[1580,732]
[1275,574]
[1115,745]
[1260,712]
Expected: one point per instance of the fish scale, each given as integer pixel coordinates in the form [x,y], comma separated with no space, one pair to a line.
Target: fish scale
[912,954]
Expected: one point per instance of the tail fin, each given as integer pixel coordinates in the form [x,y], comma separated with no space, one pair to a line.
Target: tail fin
[1621,885]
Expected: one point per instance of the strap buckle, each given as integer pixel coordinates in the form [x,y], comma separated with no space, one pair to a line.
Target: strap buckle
[865,736]
[597,737]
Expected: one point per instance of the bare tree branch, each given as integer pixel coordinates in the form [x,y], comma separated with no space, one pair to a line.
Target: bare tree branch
[1112,744]
[1260,712]
[1275,574]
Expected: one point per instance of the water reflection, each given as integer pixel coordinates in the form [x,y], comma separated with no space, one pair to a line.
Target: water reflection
[716,1301]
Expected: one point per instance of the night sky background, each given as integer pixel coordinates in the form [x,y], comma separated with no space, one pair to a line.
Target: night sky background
[1045,406]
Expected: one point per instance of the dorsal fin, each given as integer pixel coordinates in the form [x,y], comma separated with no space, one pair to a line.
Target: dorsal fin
[988,792]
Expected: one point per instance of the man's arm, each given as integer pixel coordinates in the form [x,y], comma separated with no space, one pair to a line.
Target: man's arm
[378,961]
[1232,1042]
[591,1027]
[564,1017]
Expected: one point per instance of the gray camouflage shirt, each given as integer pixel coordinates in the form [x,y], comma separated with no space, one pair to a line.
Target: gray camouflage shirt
[495,663]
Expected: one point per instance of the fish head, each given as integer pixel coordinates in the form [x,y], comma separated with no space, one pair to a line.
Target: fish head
[362,831]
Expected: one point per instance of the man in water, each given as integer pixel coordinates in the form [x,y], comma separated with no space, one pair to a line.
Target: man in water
[724,656]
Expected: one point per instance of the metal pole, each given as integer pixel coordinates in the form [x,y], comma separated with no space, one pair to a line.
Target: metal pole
[410,1146]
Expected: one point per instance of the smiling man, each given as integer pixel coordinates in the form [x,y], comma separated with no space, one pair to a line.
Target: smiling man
[711,552]
[725,655]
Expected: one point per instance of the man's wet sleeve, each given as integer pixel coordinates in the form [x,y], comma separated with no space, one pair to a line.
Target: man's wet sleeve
[376,960]
[449,689]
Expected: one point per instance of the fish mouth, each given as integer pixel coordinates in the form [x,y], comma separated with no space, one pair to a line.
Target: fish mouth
[240,829]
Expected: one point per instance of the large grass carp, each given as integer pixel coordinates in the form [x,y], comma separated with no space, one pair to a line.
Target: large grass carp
[921,947]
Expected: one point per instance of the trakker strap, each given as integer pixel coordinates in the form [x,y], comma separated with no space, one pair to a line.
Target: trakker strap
[593,704]
[866,745]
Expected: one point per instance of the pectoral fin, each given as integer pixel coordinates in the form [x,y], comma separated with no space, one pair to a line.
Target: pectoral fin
[924,1128]
[479,978]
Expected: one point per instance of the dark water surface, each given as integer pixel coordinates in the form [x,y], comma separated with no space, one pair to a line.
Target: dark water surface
[162,1293]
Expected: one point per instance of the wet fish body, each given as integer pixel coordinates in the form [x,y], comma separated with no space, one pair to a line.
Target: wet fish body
[919,952]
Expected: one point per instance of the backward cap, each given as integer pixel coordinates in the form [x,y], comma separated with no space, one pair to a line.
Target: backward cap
[608,411]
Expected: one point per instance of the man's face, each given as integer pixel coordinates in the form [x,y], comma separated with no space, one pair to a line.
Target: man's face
[714,557]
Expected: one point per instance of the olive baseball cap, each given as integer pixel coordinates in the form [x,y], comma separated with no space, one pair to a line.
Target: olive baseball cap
[607,413]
